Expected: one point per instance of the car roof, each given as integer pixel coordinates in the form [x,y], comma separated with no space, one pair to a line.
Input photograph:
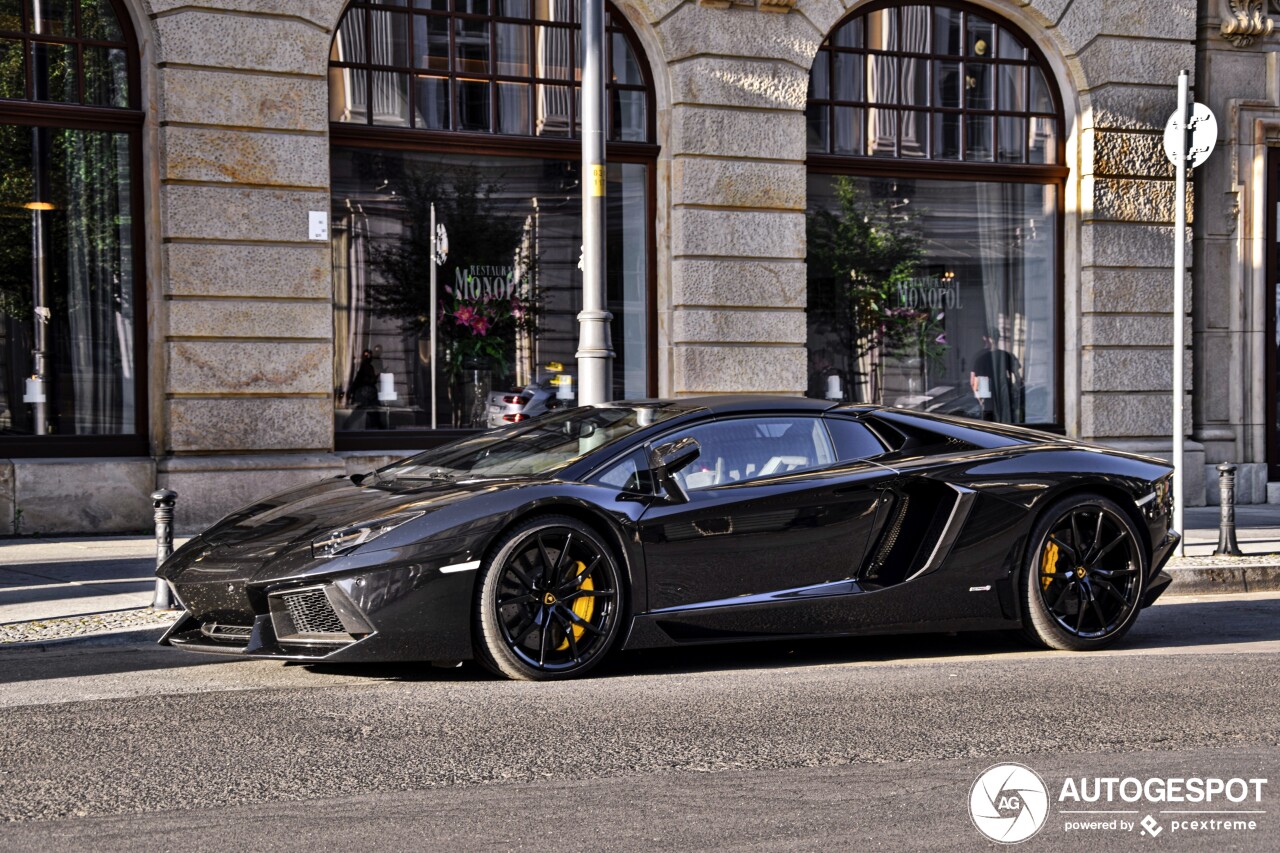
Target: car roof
[737,403]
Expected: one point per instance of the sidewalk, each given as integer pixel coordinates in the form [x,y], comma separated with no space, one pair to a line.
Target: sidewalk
[69,577]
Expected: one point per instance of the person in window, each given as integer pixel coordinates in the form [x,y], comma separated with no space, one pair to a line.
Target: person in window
[996,380]
[362,395]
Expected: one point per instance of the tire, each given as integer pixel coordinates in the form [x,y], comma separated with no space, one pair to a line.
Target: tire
[1085,577]
[550,601]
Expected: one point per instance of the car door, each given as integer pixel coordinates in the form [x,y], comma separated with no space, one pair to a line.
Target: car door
[771,510]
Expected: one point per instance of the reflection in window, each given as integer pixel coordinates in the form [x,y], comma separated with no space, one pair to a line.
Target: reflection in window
[68,281]
[509,290]
[66,260]
[46,54]
[935,295]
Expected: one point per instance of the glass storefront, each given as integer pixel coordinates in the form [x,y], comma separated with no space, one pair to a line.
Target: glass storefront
[66,283]
[69,285]
[933,217]
[934,295]
[509,289]
[480,102]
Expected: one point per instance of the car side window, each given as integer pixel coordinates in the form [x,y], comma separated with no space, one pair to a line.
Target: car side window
[853,440]
[629,474]
[742,449]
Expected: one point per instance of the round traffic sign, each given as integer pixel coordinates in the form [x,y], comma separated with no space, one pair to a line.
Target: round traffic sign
[1202,137]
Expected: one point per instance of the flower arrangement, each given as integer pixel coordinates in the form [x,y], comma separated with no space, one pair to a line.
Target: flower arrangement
[476,325]
[915,333]
[482,330]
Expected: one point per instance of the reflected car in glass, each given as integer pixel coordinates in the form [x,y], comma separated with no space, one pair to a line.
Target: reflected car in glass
[539,548]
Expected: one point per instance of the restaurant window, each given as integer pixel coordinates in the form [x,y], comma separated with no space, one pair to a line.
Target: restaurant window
[72,290]
[472,107]
[934,216]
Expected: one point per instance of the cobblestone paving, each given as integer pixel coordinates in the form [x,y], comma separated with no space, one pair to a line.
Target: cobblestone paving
[41,630]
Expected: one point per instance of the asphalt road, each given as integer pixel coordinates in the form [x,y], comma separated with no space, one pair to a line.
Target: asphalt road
[867,744]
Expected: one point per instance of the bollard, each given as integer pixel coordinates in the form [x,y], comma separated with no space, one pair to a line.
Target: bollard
[163,501]
[1227,516]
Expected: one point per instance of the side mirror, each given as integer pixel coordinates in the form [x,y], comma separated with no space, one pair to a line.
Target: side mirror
[666,460]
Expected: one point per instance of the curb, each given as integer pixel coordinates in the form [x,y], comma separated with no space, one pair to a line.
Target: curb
[112,637]
[1224,577]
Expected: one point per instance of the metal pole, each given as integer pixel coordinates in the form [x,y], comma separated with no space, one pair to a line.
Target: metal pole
[1179,306]
[163,501]
[595,351]
[39,245]
[1227,543]
[40,281]
[435,309]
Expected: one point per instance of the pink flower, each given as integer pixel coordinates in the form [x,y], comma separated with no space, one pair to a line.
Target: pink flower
[480,326]
[941,339]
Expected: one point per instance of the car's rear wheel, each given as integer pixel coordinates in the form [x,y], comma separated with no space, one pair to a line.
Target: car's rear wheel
[1086,574]
[550,601]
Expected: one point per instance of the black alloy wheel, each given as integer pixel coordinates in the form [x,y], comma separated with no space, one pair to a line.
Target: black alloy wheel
[550,601]
[1086,575]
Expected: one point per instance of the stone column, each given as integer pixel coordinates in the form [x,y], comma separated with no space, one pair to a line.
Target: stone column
[1124,59]
[246,319]
[1239,80]
[739,77]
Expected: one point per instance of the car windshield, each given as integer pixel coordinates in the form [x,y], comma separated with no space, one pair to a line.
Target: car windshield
[540,446]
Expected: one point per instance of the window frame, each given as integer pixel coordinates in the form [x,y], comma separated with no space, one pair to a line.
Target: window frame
[617,24]
[1035,59]
[126,120]
[834,165]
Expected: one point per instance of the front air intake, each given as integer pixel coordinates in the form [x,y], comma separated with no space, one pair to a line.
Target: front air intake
[311,612]
[315,614]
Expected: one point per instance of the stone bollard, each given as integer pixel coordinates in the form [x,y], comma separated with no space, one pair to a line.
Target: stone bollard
[1227,544]
[163,501]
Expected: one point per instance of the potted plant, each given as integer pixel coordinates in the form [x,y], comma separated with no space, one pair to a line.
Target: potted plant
[859,254]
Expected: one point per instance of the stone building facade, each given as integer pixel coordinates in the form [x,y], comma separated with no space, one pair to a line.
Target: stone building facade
[245,116]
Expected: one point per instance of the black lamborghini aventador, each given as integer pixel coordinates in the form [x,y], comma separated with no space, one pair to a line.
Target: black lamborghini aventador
[537,549]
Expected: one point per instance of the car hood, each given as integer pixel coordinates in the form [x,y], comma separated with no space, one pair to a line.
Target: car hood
[287,522]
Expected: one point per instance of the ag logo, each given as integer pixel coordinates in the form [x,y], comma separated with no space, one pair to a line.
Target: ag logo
[1008,803]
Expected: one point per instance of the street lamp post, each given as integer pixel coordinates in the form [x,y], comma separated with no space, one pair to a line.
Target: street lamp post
[595,351]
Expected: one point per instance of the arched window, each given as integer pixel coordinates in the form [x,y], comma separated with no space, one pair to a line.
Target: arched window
[935,193]
[72,290]
[472,106]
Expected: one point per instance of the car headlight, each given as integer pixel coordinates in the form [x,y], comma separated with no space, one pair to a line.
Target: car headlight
[344,540]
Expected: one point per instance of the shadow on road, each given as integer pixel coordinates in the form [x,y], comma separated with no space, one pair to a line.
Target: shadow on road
[1208,623]
[1181,623]
[114,654]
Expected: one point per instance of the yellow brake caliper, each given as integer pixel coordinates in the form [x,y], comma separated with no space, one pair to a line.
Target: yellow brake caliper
[1048,564]
[583,606]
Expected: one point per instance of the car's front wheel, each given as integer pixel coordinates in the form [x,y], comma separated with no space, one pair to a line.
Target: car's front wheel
[550,601]
[1087,571]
